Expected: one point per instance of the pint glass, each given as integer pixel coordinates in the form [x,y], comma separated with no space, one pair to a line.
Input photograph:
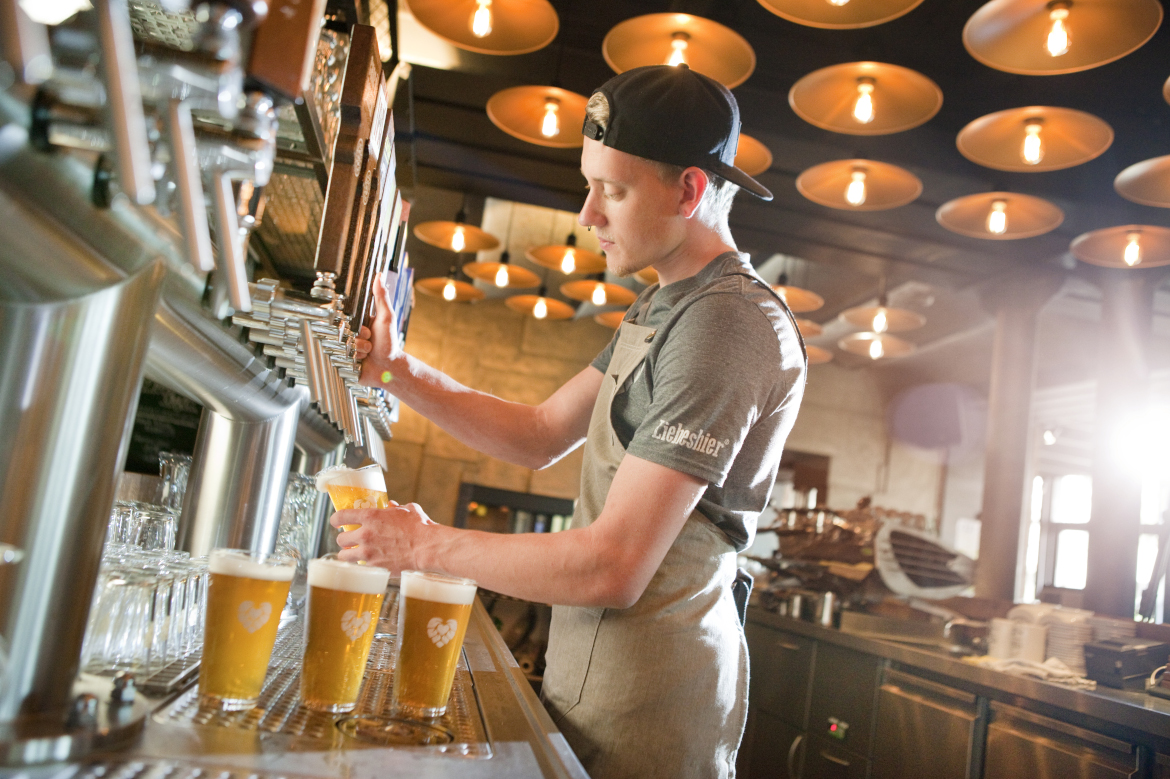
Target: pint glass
[344,602]
[433,611]
[245,596]
[363,488]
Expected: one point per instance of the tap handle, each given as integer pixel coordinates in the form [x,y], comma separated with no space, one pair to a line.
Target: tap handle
[192,207]
[124,100]
[231,251]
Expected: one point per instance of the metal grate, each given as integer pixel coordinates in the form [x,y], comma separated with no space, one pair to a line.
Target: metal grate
[163,769]
[292,220]
[279,709]
[150,22]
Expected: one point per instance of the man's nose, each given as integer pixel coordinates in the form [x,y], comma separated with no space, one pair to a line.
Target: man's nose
[590,216]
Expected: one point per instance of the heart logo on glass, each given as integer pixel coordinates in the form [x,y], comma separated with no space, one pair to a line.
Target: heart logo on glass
[442,632]
[253,617]
[354,624]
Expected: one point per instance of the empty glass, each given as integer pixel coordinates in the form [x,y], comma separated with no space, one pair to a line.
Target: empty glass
[174,469]
[153,529]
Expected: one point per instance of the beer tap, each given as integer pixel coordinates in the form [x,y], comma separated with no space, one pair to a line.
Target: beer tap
[123,105]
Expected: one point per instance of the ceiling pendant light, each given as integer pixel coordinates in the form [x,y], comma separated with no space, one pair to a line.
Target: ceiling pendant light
[647,276]
[817,355]
[705,46]
[1057,40]
[875,346]
[540,306]
[610,319]
[840,14]
[751,156]
[539,114]
[882,318]
[1124,246]
[798,300]
[489,26]
[865,98]
[1035,37]
[808,328]
[1146,182]
[457,236]
[999,216]
[449,288]
[502,274]
[859,185]
[598,292]
[863,105]
[567,257]
[1034,138]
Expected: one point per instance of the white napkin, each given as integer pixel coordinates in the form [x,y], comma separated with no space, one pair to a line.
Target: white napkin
[1051,670]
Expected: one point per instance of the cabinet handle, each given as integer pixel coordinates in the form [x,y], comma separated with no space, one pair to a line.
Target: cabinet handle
[789,647]
[792,756]
[833,759]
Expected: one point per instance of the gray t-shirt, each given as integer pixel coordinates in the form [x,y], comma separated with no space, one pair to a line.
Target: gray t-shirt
[719,389]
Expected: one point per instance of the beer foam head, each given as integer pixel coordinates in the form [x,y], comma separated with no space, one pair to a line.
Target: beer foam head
[437,587]
[369,477]
[237,562]
[347,577]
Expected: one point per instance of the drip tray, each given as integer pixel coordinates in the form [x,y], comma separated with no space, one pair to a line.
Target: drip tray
[459,732]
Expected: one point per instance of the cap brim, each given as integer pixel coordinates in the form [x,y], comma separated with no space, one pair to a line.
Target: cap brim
[742,180]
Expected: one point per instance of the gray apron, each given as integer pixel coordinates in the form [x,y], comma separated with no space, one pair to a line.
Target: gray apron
[658,689]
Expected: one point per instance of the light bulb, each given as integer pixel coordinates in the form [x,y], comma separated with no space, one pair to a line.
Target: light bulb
[502,276]
[540,310]
[458,240]
[551,125]
[598,295]
[838,3]
[678,45]
[1058,37]
[1133,250]
[1033,150]
[52,11]
[449,290]
[863,105]
[997,217]
[876,350]
[855,192]
[569,263]
[881,322]
[481,19]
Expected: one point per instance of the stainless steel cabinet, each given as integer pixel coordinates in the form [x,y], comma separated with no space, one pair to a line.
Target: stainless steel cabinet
[1023,745]
[843,692]
[773,749]
[782,666]
[826,759]
[924,729]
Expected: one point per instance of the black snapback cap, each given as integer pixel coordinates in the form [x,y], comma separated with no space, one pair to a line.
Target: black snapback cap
[674,115]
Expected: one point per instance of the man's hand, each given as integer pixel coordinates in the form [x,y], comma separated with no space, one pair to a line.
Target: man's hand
[380,349]
[389,538]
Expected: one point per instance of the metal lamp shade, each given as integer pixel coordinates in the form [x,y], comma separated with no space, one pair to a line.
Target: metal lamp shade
[518,26]
[464,292]
[902,98]
[647,276]
[817,355]
[583,290]
[518,278]
[1070,138]
[610,319]
[752,157]
[711,49]
[862,344]
[898,320]
[1025,216]
[1106,247]
[1146,182]
[808,328]
[440,234]
[887,186]
[1010,35]
[553,256]
[526,303]
[520,112]
[800,301]
[819,13]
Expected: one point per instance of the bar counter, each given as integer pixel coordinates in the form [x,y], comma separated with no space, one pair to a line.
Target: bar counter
[521,740]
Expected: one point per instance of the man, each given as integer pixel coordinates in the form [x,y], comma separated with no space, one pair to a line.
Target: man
[684,416]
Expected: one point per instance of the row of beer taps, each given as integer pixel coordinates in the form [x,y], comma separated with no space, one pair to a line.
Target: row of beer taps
[191,132]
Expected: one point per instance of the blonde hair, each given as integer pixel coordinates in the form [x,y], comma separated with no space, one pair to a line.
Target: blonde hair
[715,207]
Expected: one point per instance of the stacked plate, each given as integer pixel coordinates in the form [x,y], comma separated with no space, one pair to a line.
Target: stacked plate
[1111,627]
[1068,632]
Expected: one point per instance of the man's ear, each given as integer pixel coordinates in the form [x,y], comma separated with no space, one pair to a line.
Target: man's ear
[694,185]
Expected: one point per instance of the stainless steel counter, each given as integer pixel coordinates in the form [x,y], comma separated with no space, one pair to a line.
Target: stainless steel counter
[523,740]
[1117,713]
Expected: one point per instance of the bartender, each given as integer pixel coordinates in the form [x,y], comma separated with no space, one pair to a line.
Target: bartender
[683,417]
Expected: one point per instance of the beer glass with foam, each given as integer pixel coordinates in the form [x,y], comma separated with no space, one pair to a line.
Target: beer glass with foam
[349,488]
[245,595]
[344,602]
[433,612]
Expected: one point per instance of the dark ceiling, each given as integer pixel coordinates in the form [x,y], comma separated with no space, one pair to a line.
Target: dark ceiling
[446,141]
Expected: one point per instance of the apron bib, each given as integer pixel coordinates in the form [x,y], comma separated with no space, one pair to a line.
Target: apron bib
[658,689]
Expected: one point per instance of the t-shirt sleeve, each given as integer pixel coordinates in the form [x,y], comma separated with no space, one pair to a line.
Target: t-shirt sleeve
[710,382]
[601,361]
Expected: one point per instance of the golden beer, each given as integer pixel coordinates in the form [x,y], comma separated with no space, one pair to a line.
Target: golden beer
[363,488]
[433,612]
[245,596]
[344,602]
